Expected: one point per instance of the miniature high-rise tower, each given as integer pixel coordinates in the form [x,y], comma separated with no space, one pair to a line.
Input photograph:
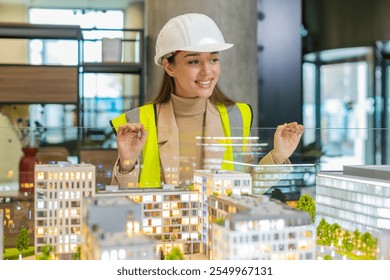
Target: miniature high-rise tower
[59,192]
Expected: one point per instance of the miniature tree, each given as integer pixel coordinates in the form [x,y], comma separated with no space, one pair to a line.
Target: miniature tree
[220,221]
[335,231]
[369,243]
[374,245]
[22,241]
[174,255]
[327,237]
[327,258]
[347,242]
[77,255]
[356,239]
[306,203]
[321,228]
[46,252]
[279,195]
[323,232]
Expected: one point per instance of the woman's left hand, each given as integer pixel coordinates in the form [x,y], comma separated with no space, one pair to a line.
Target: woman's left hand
[286,140]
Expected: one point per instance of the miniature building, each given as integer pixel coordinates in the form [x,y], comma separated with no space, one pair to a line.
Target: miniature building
[112,230]
[18,213]
[59,192]
[169,215]
[1,234]
[357,198]
[221,183]
[293,180]
[249,227]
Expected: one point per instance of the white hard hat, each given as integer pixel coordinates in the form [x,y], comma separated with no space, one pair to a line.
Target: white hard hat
[189,32]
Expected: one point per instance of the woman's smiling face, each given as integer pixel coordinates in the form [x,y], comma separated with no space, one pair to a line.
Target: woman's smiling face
[195,73]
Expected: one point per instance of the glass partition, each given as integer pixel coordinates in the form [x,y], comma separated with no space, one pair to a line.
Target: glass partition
[17,142]
[39,181]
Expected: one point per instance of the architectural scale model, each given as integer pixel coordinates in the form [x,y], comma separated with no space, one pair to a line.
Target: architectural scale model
[255,227]
[59,192]
[186,218]
[149,223]
[357,198]
[218,207]
[112,230]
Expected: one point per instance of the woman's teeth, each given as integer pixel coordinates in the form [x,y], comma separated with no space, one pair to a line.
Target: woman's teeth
[205,83]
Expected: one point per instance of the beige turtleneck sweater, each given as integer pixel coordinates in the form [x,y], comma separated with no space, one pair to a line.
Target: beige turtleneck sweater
[190,115]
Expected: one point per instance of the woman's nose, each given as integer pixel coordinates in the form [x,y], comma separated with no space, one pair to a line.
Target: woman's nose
[206,68]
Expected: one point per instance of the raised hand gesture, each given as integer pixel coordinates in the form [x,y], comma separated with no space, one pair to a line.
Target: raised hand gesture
[286,140]
[130,138]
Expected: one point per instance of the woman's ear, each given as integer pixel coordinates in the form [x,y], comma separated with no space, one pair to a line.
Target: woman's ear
[168,67]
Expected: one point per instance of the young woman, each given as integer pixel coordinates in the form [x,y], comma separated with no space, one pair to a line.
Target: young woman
[187,123]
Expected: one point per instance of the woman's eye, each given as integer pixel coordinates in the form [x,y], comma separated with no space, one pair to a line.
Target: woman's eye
[214,60]
[193,62]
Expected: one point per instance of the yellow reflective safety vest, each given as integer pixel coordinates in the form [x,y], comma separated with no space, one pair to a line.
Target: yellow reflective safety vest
[236,123]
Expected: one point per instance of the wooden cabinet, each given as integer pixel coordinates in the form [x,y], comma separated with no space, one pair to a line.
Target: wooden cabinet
[38,84]
[24,83]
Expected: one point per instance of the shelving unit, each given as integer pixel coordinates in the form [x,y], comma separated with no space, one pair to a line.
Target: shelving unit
[24,83]
[130,61]
[39,84]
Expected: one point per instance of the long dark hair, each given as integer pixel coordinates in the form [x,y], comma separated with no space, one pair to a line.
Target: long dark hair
[168,86]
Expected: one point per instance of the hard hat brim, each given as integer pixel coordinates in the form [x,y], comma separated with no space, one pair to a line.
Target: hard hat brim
[199,48]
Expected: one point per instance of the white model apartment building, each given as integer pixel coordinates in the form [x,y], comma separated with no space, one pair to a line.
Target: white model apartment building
[112,230]
[221,183]
[169,215]
[59,192]
[256,228]
[357,198]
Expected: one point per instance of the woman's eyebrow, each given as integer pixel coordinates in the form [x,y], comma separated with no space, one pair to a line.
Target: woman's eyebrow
[192,54]
[197,54]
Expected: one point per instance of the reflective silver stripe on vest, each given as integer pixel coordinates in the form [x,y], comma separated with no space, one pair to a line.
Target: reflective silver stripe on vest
[236,130]
[133,116]
[236,123]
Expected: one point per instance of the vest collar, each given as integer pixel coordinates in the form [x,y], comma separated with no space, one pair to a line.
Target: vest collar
[168,139]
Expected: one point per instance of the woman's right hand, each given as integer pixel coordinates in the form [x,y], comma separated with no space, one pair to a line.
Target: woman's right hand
[130,138]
